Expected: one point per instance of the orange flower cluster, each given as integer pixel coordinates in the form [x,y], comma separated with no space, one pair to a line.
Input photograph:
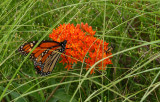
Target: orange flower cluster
[81,45]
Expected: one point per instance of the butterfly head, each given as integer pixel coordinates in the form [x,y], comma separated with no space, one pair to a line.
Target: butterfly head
[63,44]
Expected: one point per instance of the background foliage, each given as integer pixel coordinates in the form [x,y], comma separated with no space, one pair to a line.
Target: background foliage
[132,27]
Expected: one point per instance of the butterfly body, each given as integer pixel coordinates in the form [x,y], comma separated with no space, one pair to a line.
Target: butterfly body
[45,55]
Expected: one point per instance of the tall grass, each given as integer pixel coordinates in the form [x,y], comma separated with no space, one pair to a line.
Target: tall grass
[132,27]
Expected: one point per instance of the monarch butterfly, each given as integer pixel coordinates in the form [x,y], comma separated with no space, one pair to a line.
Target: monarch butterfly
[45,55]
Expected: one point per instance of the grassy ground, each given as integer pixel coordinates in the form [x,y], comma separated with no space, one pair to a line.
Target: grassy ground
[132,27]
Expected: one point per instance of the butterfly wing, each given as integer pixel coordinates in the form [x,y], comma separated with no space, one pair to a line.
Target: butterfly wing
[48,61]
[48,64]
[43,46]
[45,55]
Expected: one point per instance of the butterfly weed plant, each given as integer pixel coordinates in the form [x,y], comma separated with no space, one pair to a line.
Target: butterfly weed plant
[81,45]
